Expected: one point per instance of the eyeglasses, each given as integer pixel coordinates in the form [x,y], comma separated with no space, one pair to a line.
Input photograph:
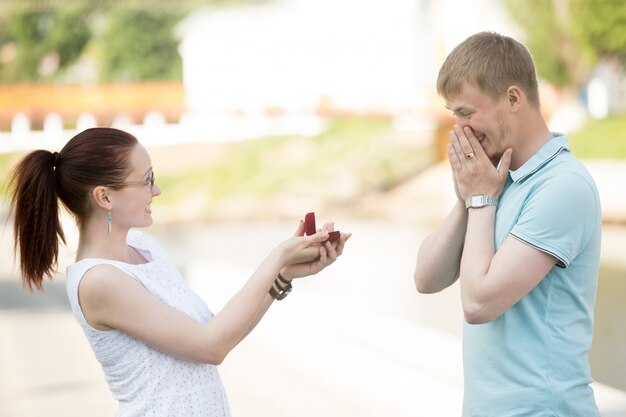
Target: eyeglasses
[146,183]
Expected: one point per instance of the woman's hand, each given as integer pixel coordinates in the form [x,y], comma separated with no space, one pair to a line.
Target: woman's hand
[315,255]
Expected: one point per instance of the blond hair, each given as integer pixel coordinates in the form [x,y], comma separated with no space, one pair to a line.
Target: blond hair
[491,62]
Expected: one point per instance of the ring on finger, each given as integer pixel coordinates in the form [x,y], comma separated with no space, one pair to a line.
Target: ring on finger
[470,155]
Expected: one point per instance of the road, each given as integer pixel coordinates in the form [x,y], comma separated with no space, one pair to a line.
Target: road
[356,340]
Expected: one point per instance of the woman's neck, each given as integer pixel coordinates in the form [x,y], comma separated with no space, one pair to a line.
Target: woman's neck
[95,243]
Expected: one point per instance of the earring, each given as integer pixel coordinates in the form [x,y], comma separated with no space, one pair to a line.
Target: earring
[110,220]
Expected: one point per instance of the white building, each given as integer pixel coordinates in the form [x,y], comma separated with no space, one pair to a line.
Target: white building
[305,56]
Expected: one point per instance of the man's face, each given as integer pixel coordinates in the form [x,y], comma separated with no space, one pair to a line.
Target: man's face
[485,116]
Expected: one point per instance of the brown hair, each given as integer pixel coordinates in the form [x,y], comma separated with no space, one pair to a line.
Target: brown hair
[491,62]
[93,157]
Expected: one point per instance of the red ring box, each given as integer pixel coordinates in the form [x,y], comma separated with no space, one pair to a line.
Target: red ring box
[310,228]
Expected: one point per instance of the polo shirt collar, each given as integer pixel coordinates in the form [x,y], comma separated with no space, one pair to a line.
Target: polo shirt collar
[548,152]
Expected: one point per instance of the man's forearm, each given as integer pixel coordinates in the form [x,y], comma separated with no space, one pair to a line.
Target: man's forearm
[478,252]
[439,255]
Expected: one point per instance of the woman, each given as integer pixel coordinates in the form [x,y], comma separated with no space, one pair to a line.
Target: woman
[156,340]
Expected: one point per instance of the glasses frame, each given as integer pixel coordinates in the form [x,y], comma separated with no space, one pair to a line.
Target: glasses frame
[146,183]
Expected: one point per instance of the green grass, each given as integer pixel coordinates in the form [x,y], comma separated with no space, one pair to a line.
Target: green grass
[601,139]
[350,158]
[6,163]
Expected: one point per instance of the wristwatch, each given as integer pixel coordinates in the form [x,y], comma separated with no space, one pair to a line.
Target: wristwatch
[480,200]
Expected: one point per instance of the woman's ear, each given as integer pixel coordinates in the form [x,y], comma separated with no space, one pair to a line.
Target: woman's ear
[102,198]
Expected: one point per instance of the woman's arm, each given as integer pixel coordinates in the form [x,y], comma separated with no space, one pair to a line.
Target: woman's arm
[110,299]
[329,252]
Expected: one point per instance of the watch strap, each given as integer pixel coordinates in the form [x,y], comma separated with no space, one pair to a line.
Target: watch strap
[480,200]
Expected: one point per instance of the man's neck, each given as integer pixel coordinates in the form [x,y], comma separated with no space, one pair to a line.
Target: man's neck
[534,134]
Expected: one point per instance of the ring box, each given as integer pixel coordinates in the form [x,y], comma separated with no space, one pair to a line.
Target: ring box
[311,229]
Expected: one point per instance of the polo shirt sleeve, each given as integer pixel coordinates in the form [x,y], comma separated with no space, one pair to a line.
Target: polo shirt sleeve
[559,217]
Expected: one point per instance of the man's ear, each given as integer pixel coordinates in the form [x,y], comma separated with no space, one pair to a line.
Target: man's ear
[102,198]
[514,96]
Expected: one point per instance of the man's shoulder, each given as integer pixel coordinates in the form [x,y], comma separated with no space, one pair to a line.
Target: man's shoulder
[567,172]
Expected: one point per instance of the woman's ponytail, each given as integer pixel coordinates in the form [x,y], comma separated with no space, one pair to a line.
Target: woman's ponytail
[34,203]
[42,180]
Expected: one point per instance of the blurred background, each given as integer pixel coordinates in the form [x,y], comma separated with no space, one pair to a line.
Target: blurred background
[256,112]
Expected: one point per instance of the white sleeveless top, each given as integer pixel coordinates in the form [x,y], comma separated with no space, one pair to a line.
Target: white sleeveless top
[144,380]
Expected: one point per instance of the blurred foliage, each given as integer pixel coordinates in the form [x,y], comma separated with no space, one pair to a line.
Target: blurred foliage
[600,25]
[137,45]
[568,37]
[36,45]
[130,40]
[157,6]
[600,139]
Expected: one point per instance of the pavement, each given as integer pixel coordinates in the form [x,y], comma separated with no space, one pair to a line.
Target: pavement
[428,197]
[357,340]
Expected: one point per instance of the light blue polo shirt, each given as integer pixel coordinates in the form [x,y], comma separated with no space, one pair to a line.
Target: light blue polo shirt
[532,360]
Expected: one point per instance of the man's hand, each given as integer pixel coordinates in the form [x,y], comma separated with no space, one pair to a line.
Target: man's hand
[473,171]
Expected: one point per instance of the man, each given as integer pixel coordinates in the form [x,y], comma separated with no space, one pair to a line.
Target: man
[523,239]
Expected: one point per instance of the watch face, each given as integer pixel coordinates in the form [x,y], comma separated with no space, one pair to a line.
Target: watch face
[477,201]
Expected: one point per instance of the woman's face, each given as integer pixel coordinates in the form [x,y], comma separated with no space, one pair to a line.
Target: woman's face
[131,203]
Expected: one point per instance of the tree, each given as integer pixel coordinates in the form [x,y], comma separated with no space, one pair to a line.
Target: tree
[39,40]
[599,25]
[568,37]
[139,45]
[38,45]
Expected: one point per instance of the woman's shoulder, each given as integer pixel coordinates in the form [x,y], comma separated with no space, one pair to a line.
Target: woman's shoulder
[105,278]
[93,266]
[93,276]
[79,268]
